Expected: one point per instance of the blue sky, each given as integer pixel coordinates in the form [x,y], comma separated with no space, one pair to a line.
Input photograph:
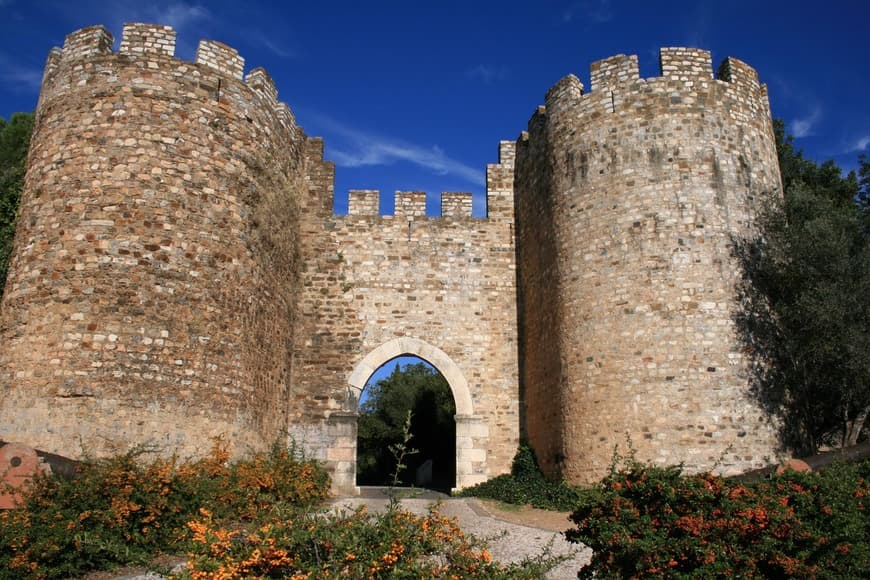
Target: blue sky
[415,95]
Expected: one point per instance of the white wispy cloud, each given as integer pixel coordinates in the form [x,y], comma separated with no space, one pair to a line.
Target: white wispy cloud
[590,12]
[356,148]
[189,19]
[804,126]
[275,48]
[180,14]
[861,144]
[699,22]
[18,77]
[488,73]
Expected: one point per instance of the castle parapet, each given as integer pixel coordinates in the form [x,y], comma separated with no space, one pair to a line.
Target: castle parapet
[220,57]
[153,47]
[140,39]
[613,70]
[455,204]
[685,63]
[285,115]
[261,83]
[507,153]
[686,78]
[52,62]
[410,204]
[363,202]
[738,73]
[87,42]
[500,183]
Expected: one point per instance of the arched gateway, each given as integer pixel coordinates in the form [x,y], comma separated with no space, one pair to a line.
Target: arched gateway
[472,432]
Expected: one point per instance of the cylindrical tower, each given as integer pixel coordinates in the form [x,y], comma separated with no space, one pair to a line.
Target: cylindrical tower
[639,188]
[151,290]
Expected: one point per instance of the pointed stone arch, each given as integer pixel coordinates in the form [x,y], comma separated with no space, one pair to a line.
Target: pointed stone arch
[472,432]
[431,354]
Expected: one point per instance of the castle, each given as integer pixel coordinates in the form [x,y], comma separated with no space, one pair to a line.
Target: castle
[178,272]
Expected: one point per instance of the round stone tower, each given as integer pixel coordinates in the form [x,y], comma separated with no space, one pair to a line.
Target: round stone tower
[628,201]
[151,290]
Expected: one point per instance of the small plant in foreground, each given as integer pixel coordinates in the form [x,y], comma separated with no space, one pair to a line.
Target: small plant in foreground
[399,451]
[645,521]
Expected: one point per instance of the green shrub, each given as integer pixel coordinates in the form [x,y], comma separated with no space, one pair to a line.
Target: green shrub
[124,509]
[526,485]
[645,521]
[251,518]
[394,544]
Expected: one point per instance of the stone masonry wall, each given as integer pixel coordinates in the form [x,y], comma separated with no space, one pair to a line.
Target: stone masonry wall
[446,281]
[627,201]
[178,272]
[539,324]
[151,293]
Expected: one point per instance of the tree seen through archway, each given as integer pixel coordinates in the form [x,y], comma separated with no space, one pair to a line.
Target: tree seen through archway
[419,388]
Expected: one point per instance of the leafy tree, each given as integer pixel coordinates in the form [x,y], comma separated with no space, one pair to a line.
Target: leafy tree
[806,317]
[14,141]
[420,389]
[864,191]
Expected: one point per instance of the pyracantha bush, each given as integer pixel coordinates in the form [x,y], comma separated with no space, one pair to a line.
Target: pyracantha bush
[643,521]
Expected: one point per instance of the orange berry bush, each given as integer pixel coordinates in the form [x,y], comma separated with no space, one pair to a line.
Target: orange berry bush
[259,517]
[131,506]
[393,544]
[647,522]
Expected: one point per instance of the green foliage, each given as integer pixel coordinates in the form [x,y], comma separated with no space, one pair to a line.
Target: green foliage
[124,509]
[258,517]
[14,141]
[393,544]
[645,521]
[526,485]
[422,391]
[805,318]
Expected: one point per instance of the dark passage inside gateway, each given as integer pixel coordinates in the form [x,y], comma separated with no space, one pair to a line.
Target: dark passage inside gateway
[402,385]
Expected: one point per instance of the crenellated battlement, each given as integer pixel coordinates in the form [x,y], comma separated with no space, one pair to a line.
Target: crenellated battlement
[221,58]
[615,82]
[363,202]
[685,63]
[455,204]
[139,39]
[152,47]
[409,205]
[614,70]
[87,42]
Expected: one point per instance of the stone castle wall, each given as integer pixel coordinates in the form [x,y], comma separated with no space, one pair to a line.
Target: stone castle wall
[628,199]
[151,293]
[178,272]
